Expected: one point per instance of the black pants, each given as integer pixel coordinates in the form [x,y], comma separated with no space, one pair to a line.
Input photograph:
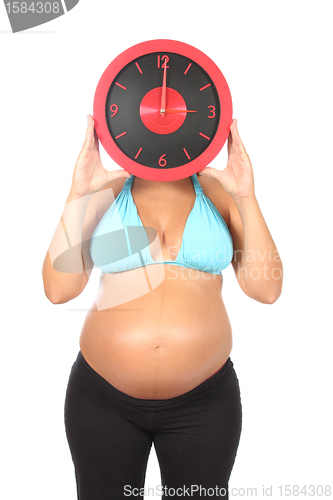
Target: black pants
[110,434]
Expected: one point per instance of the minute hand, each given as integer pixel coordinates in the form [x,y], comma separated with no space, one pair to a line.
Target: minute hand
[179,111]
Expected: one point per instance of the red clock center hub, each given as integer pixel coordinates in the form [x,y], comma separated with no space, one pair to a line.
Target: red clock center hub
[150,111]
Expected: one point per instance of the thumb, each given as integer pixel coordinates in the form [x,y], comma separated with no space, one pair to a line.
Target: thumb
[210,171]
[116,174]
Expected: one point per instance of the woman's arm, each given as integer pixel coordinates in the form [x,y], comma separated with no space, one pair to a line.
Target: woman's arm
[67,265]
[256,261]
[64,273]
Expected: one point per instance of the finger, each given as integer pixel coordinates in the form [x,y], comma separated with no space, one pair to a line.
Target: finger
[89,138]
[236,136]
[231,146]
[210,171]
[238,145]
[96,142]
[116,174]
[87,131]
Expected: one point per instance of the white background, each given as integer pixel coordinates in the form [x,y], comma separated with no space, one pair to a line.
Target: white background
[277,60]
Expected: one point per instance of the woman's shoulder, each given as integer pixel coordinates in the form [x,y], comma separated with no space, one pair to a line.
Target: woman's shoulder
[115,184]
[102,199]
[214,190]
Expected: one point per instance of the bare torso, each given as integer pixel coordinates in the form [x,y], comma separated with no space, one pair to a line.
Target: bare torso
[168,340]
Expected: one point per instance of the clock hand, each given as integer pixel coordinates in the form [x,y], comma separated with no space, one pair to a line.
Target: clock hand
[179,111]
[162,110]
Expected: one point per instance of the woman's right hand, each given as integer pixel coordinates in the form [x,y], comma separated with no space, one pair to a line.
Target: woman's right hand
[89,174]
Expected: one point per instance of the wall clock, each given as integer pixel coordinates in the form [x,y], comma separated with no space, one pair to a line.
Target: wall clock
[162,110]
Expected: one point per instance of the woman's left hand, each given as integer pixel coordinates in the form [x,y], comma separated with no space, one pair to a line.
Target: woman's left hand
[237,177]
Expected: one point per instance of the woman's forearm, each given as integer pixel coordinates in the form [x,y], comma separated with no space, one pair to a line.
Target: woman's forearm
[63,268]
[259,266]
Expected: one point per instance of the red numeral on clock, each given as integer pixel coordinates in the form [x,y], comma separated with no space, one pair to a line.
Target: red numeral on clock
[114,109]
[212,111]
[162,161]
[166,60]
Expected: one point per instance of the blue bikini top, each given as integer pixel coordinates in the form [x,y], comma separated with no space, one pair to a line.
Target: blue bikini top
[120,241]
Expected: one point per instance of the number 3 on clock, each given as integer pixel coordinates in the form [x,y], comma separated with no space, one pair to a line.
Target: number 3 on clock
[212,111]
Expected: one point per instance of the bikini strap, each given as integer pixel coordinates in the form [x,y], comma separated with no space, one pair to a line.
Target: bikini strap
[197,185]
[128,183]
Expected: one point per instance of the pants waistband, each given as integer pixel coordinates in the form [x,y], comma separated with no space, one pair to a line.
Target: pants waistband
[225,369]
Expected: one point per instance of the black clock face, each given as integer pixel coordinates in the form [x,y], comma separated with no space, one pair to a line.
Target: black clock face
[133,110]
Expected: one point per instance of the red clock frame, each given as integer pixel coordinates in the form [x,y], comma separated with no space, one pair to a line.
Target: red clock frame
[217,142]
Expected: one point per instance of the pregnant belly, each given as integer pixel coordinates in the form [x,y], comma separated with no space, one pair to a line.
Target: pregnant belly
[162,344]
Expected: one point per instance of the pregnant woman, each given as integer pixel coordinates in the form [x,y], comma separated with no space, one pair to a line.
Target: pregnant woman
[154,362]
